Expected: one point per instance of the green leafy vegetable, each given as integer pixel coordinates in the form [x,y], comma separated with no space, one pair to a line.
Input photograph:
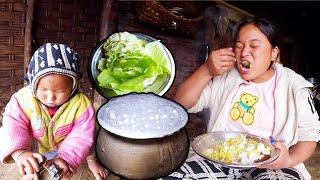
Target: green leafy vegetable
[132,65]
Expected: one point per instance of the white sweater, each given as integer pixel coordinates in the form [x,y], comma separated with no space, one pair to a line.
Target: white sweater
[295,116]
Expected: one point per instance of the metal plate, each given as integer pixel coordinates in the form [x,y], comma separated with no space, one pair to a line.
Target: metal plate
[142,116]
[208,140]
[97,54]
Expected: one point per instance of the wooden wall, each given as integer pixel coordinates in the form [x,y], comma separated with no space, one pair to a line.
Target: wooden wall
[12,45]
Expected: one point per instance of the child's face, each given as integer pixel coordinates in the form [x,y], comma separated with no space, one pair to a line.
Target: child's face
[54,89]
[253,46]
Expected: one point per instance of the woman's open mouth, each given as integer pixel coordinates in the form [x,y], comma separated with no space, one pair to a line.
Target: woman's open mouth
[245,66]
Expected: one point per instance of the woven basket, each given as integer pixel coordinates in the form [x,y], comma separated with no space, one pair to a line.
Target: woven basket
[176,16]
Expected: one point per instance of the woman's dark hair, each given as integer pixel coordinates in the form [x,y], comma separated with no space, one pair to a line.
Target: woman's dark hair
[264,25]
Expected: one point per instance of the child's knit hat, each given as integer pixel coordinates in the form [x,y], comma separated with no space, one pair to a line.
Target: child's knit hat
[53,58]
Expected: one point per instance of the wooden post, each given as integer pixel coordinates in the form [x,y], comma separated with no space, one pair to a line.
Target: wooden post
[27,36]
[109,18]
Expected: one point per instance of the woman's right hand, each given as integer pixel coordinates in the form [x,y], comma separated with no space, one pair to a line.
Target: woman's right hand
[27,161]
[220,61]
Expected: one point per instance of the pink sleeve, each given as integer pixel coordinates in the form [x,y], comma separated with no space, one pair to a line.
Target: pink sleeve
[76,146]
[15,131]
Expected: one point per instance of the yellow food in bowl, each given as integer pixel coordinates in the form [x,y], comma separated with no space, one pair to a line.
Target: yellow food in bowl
[238,150]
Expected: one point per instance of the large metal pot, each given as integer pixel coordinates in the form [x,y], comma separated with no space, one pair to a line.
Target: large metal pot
[142,159]
[143,136]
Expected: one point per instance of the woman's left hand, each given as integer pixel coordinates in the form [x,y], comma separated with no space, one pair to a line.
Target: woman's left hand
[283,161]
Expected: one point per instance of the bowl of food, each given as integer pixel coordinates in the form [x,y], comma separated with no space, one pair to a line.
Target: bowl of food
[235,149]
[130,62]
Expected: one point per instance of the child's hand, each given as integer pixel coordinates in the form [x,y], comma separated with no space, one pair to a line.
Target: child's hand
[67,172]
[27,161]
[220,61]
[284,159]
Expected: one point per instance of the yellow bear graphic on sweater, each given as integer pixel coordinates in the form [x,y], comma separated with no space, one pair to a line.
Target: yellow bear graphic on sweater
[243,109]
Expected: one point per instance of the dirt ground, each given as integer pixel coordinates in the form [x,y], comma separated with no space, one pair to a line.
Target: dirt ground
[10,172]
[313,164]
